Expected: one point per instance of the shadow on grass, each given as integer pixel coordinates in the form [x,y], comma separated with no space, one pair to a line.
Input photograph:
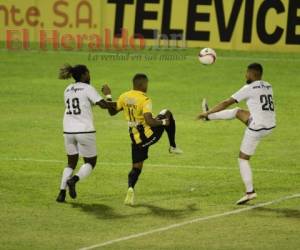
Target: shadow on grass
[104,212]
[286,212]
[168,213]
[101,211]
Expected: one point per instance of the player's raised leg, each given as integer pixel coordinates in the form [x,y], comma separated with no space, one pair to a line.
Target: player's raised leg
[67,174]
[228,114]
[171,130]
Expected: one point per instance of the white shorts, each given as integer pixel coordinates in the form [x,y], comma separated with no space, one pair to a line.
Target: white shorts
[251,140]
[83,144]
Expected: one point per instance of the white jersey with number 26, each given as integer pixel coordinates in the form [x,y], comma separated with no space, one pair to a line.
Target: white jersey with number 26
[259,98]
[79,98]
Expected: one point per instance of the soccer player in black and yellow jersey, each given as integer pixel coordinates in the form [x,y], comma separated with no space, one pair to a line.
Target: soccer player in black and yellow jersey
[144,129]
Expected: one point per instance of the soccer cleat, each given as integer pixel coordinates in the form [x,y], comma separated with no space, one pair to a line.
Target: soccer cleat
[205,107]
[72,190]
[246,198]
[129,200]
[61,196]
[175,151]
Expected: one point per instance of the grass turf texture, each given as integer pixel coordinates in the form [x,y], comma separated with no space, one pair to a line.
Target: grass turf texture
[170,189]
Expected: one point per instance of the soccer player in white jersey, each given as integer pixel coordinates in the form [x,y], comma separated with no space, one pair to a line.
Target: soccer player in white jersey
[260,120]
[79,130]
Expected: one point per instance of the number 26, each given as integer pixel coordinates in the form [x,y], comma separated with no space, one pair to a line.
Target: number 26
[267,101]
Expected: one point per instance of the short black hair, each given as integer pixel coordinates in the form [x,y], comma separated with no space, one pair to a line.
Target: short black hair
[256,67]
[139,77]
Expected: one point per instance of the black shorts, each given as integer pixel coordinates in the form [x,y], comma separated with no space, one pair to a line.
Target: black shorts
[139,151]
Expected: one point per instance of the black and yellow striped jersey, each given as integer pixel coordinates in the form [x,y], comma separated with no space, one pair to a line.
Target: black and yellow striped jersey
[135,104]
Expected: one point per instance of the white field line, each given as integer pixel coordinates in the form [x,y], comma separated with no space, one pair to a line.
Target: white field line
[188,222]
[243,58]
[238,58]
[156,165]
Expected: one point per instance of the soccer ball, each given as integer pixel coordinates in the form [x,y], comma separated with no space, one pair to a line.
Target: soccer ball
[207,56]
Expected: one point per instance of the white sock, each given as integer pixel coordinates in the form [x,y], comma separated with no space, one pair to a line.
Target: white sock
[246,174]
[67,173]
[227,114]
[84,171]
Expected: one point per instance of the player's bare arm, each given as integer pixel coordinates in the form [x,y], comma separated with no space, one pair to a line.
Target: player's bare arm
[112,108]
[155,122]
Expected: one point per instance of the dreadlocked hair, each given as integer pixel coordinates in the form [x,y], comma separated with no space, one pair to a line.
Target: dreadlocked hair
[67,71]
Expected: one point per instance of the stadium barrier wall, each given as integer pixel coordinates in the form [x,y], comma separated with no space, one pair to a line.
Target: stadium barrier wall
[267,25]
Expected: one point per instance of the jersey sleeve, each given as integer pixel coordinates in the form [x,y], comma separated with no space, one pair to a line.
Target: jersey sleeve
[147,106]
[120,103]
[242,94]
[93,95]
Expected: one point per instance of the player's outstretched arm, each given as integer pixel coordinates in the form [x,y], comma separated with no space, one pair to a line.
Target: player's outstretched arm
[107,92]
[110,106]
[152,122]
[113,111]
[219,107]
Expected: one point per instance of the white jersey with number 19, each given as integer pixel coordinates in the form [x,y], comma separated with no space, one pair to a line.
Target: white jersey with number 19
[259,98]
[79,98]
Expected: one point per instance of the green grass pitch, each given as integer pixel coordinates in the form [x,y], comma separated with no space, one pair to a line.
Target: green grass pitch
[203,181]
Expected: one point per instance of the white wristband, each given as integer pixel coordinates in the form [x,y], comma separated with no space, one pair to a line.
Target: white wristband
[164,122]
[108,97]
